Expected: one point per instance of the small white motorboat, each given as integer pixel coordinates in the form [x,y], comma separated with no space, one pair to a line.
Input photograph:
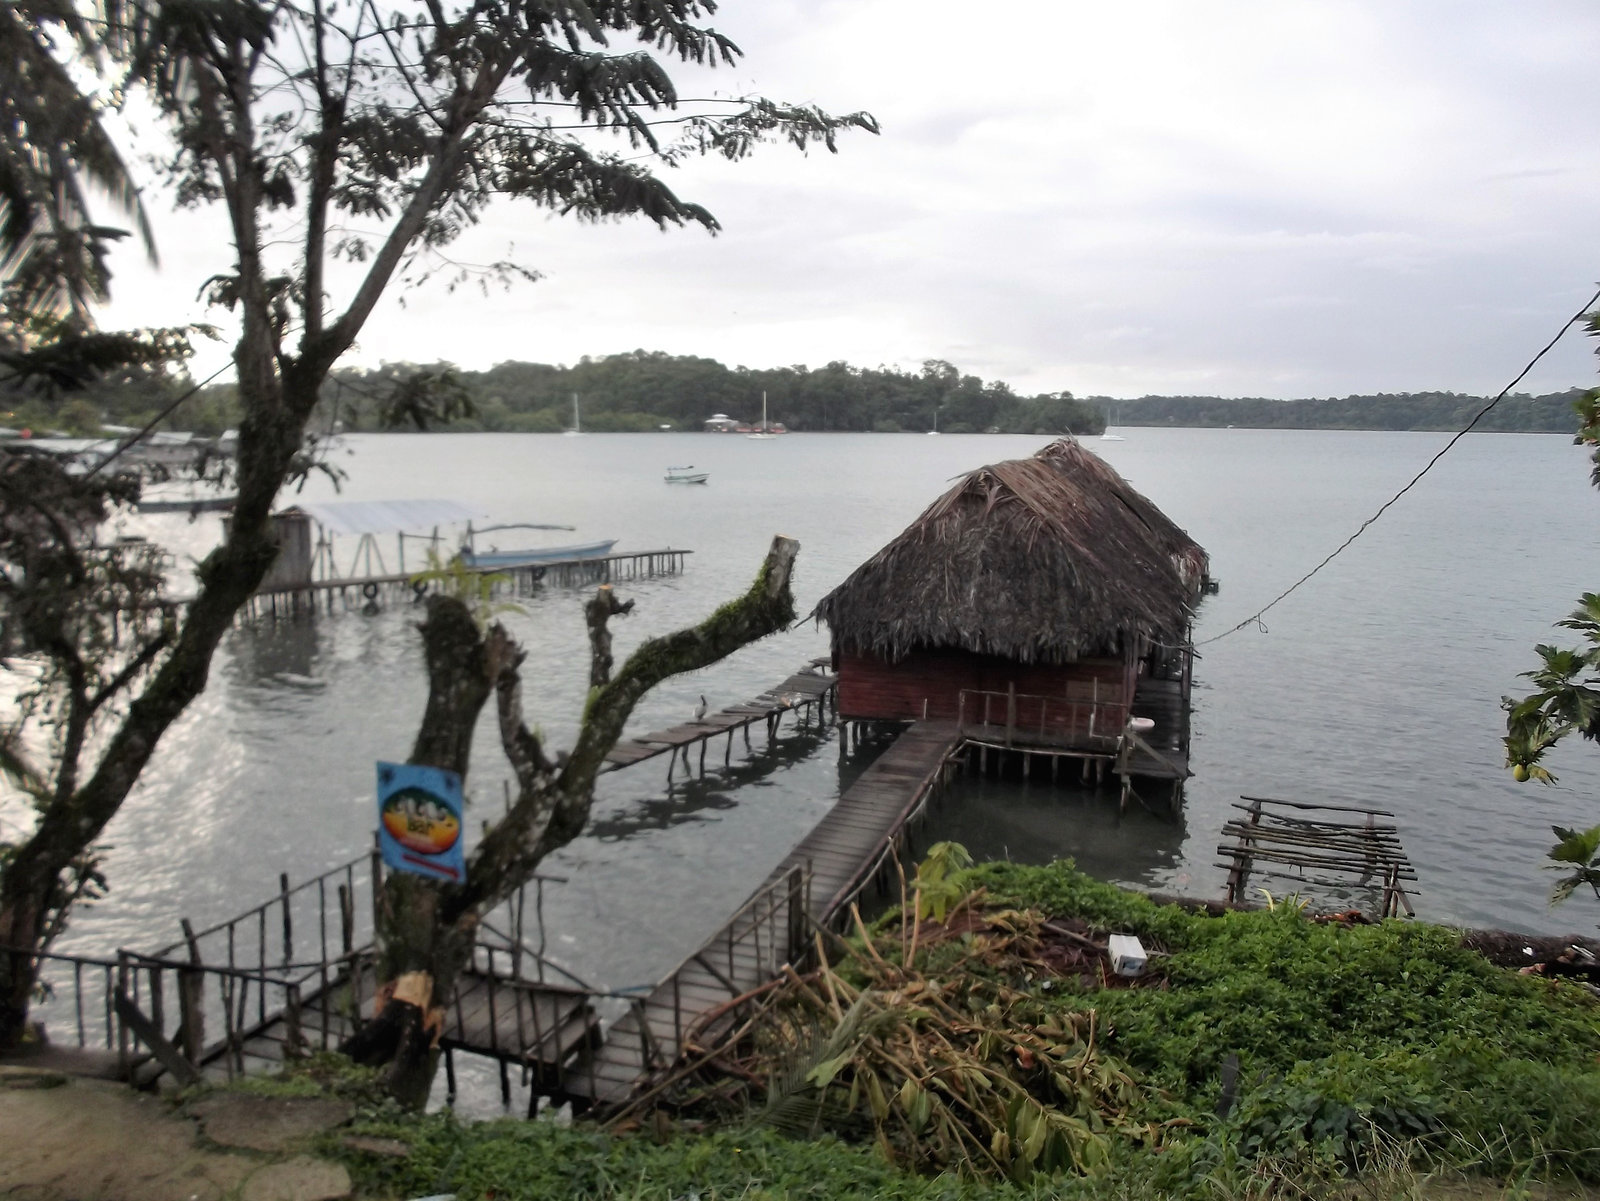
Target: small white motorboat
[686,475]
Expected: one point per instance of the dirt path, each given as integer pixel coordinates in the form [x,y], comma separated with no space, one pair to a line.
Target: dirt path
[69,1139]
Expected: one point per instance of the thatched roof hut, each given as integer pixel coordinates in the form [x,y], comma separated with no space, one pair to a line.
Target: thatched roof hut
[1043,560]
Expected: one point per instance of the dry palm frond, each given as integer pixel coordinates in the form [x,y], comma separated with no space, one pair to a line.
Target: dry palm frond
[958,1071]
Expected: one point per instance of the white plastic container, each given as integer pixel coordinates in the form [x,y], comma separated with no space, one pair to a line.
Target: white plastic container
[1127,953]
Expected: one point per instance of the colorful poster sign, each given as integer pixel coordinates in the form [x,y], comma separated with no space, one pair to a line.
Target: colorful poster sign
[419,821]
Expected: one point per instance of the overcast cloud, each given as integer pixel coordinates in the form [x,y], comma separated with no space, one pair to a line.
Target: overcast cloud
[1249,197]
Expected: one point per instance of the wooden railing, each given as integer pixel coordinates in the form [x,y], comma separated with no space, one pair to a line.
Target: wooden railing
[1083,721]
[774,924]
[148,1010]
[327,918]
[195,1005]
[320,921]
[198,1001]
[80,1002]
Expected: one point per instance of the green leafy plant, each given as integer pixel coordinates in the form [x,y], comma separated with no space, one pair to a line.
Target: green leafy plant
[937,885]
[1580,851]
[475,589]
[957,1073]
[1293,903]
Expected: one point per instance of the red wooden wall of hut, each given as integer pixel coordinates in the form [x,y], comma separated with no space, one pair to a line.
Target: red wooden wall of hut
[929,683]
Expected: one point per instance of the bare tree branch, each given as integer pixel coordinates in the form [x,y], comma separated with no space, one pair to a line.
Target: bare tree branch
[598,613]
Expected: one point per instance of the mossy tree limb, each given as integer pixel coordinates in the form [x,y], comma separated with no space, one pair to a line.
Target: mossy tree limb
[552,806]
[426,928]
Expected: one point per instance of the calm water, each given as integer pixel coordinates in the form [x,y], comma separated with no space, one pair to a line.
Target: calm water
[1377,683]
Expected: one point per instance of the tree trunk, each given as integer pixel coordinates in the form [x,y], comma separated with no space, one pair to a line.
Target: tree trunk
[420,955]
[21,925]
[32,883]
[426,928]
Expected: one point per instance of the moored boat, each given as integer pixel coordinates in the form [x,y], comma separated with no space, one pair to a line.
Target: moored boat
[185,504]
[495,557]
[686,475]
[535,556]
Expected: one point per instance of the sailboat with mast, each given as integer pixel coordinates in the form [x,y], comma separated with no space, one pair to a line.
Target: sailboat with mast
[577,422]
[765,432]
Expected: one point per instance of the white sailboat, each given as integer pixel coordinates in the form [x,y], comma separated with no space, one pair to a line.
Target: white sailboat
[577,424]
[934,432]
[1106,435]
[765,432]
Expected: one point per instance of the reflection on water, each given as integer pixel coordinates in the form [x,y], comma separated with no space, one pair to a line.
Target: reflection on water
[1037,823]
[274,653]
[691,798]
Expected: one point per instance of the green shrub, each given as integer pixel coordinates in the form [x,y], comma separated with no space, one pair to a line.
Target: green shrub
[1347,1037]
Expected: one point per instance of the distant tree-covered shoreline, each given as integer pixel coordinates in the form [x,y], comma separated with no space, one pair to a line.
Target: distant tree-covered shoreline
[652,390]
[1517,413]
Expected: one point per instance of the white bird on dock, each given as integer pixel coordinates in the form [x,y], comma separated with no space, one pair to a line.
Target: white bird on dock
[700,710]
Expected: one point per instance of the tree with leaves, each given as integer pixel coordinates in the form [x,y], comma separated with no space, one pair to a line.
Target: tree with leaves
[1566,697]
[55,150]
[349,144]
[56,156]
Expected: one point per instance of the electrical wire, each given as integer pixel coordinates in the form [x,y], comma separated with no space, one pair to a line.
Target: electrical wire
[144,432]
[1255,618]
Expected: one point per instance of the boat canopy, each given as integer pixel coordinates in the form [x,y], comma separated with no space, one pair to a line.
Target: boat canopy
[384,516]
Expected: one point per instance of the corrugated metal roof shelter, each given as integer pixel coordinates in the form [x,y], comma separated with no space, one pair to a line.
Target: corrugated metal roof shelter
[384,516]
[302,559]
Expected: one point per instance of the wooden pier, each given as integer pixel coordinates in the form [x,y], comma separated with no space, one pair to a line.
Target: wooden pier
[296,973]
[811,689]
[815,884]
[355,592]
[1340,850]
[537,1026]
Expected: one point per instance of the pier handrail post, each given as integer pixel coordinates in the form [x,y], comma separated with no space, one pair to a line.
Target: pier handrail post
[347,922]
[376,858]
[191,999]
[293,1040]
[796,936]
[288,921]
[122,1025]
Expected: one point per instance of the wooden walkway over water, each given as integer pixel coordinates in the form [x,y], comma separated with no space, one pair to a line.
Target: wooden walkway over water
[815,883]
[809,689]
[539,1025]
[350,592]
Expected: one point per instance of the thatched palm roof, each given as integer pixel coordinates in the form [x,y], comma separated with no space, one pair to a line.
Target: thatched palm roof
[1047,559]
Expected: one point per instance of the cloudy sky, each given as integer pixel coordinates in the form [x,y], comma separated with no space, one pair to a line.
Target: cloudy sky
[1232,197]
